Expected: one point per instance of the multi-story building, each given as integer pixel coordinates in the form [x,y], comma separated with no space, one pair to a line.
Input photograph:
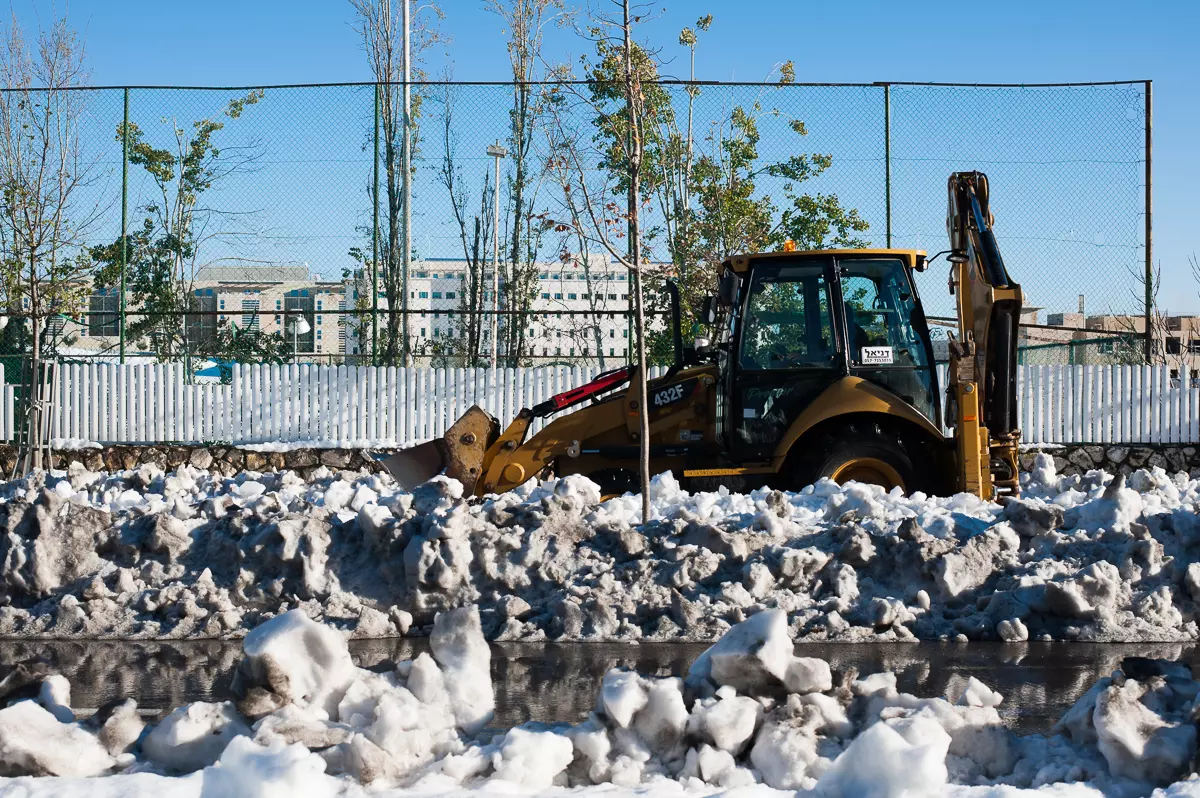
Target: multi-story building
[577,313]
[261,298]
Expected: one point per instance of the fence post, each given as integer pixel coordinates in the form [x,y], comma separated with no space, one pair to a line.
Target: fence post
[887,158]
[124,217]
[375,241]
[1149,232]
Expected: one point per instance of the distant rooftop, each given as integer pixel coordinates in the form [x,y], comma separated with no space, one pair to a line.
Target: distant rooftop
[257,273]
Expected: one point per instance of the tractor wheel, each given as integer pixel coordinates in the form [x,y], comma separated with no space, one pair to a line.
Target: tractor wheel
[863,452]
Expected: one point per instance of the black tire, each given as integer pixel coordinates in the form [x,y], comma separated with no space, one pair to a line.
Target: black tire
[864,451]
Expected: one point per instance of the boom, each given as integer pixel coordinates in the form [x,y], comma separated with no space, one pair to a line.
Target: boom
[982,389]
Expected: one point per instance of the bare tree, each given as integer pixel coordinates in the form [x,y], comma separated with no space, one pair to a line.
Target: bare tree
[598,211]
[475,236]
[1137,343]
[525,22]
[44,215]
[381,25]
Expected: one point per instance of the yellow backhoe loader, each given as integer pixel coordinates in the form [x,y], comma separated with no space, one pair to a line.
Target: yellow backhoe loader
[821,365]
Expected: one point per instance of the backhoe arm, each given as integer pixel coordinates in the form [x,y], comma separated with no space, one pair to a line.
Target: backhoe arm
[982,389]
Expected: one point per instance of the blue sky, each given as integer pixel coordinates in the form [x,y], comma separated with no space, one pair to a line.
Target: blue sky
[220,42]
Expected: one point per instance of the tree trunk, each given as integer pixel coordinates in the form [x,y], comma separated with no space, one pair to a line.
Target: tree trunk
[635,255]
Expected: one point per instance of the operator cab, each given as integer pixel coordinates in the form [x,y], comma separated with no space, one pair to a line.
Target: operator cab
[796,322]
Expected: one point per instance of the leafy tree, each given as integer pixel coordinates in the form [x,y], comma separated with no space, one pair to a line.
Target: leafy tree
[162,255]
[231,344]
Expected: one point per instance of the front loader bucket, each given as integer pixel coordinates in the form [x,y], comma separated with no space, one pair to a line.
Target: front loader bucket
[458,454]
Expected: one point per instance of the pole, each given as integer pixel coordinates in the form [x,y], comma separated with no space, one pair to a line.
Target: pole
[375,244]
[406,161]
[124,219]
[887,158]
[1149,231]
[496,263]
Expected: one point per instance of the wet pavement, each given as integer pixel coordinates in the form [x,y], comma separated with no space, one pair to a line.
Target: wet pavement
[559,682]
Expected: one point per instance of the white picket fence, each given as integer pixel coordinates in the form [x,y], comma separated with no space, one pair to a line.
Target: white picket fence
[368,406]
[347,406]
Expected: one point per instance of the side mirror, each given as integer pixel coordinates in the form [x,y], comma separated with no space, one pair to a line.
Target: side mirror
[708,311]
[727,289]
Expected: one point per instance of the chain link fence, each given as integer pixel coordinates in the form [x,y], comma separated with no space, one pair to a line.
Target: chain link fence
[258,221]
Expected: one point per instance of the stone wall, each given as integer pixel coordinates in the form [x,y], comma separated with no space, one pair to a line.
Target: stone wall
[1119,459]
[228,460]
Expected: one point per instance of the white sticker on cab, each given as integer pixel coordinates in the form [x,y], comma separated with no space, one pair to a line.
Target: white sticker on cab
[876,356]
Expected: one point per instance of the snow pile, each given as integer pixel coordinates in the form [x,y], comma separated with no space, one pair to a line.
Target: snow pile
[181,554]
[749,715]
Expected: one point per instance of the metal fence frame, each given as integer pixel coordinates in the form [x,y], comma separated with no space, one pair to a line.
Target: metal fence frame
[886,97]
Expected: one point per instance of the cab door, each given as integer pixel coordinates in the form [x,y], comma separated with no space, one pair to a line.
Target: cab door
[786,352]
[887,339]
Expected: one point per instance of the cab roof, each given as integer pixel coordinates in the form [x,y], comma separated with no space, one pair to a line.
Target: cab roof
[740,263]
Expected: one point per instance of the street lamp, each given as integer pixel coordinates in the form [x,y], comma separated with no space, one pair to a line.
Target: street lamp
[496,151]
[300,327]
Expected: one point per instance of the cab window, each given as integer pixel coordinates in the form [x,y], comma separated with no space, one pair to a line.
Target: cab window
[787,322]
[879,306]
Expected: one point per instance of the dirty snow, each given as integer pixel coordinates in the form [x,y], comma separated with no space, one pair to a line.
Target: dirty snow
[304,724]
[188,554]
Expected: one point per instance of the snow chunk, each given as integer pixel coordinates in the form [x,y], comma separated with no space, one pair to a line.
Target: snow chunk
[35,743]
[807,675]
[291,659]
[55,696]
[533,758]
[248,770]
[1137,742]
[752,656]
[194,736]
[893,759]
[463,654]
[622,696]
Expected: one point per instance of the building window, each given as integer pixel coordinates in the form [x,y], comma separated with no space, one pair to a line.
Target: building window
[103,307]
[423,295]
[612,296]
[250,314]
[422,332]
[342,323]
[545,296]
[612,333]
[449,295]
[558,296]
[624,333]
[437,294]
[572,296]
[1173,346]
[611,353]
[300,300]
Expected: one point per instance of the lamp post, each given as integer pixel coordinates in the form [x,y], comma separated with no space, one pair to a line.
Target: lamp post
[300,327]
[496,151]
